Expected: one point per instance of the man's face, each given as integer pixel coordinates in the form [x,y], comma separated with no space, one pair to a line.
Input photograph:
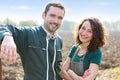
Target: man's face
[53,19]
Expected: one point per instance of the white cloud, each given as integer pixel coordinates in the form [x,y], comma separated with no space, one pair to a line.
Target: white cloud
[105,3]
[20,7]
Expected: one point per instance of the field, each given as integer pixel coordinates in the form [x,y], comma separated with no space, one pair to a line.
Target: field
[109,70]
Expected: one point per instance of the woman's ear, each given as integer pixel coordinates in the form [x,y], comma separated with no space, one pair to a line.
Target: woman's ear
[43,15]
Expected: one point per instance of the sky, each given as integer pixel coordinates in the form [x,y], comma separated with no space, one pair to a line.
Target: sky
[76,10]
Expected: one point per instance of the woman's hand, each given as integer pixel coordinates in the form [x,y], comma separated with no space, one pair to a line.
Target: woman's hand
[74,75]
[86,73]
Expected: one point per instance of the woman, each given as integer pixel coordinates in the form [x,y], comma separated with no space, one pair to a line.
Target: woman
[85,56]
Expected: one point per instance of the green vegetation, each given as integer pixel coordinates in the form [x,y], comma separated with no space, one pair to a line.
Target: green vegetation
[110,74]
[116,73]
[28,23]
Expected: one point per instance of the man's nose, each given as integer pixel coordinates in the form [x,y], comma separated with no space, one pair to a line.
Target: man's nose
[56,20]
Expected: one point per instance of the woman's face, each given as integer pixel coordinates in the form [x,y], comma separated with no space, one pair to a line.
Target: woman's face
[85,32]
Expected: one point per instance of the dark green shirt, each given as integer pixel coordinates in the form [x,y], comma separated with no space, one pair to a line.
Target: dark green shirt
[90,57]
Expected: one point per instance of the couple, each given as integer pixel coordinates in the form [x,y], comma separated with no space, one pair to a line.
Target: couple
[40,48]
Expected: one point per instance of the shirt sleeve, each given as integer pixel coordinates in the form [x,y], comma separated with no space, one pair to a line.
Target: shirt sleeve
[72,51]
[97,57]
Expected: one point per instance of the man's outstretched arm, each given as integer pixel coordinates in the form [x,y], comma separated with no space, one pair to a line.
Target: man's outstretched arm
[7,47]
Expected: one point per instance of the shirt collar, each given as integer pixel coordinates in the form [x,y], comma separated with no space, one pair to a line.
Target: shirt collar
[50,36]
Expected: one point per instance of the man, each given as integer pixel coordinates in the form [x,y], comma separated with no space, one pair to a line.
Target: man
[39,47]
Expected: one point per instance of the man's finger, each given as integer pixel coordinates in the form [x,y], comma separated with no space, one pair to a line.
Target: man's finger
[2,51]
[14,56]
[0,55]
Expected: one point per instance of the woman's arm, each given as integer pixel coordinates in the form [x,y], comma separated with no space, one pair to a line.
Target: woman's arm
[67,73]
[74,75]
[64,70]
[92,72]
[89,74]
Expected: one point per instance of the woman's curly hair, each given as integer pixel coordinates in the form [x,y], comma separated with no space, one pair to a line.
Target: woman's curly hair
[99,34]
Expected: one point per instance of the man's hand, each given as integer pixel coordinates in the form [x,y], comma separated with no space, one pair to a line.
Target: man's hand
[8,49]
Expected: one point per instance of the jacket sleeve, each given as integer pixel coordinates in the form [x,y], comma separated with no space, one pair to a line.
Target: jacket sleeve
[19,35]
[4,31]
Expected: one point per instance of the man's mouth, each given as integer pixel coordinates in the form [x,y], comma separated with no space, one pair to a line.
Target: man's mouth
[54,24]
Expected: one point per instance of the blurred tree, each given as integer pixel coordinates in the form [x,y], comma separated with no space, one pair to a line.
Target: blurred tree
[8,21]
[117,25]
[28,23]
[112,26]
[1,22]
[68,25]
